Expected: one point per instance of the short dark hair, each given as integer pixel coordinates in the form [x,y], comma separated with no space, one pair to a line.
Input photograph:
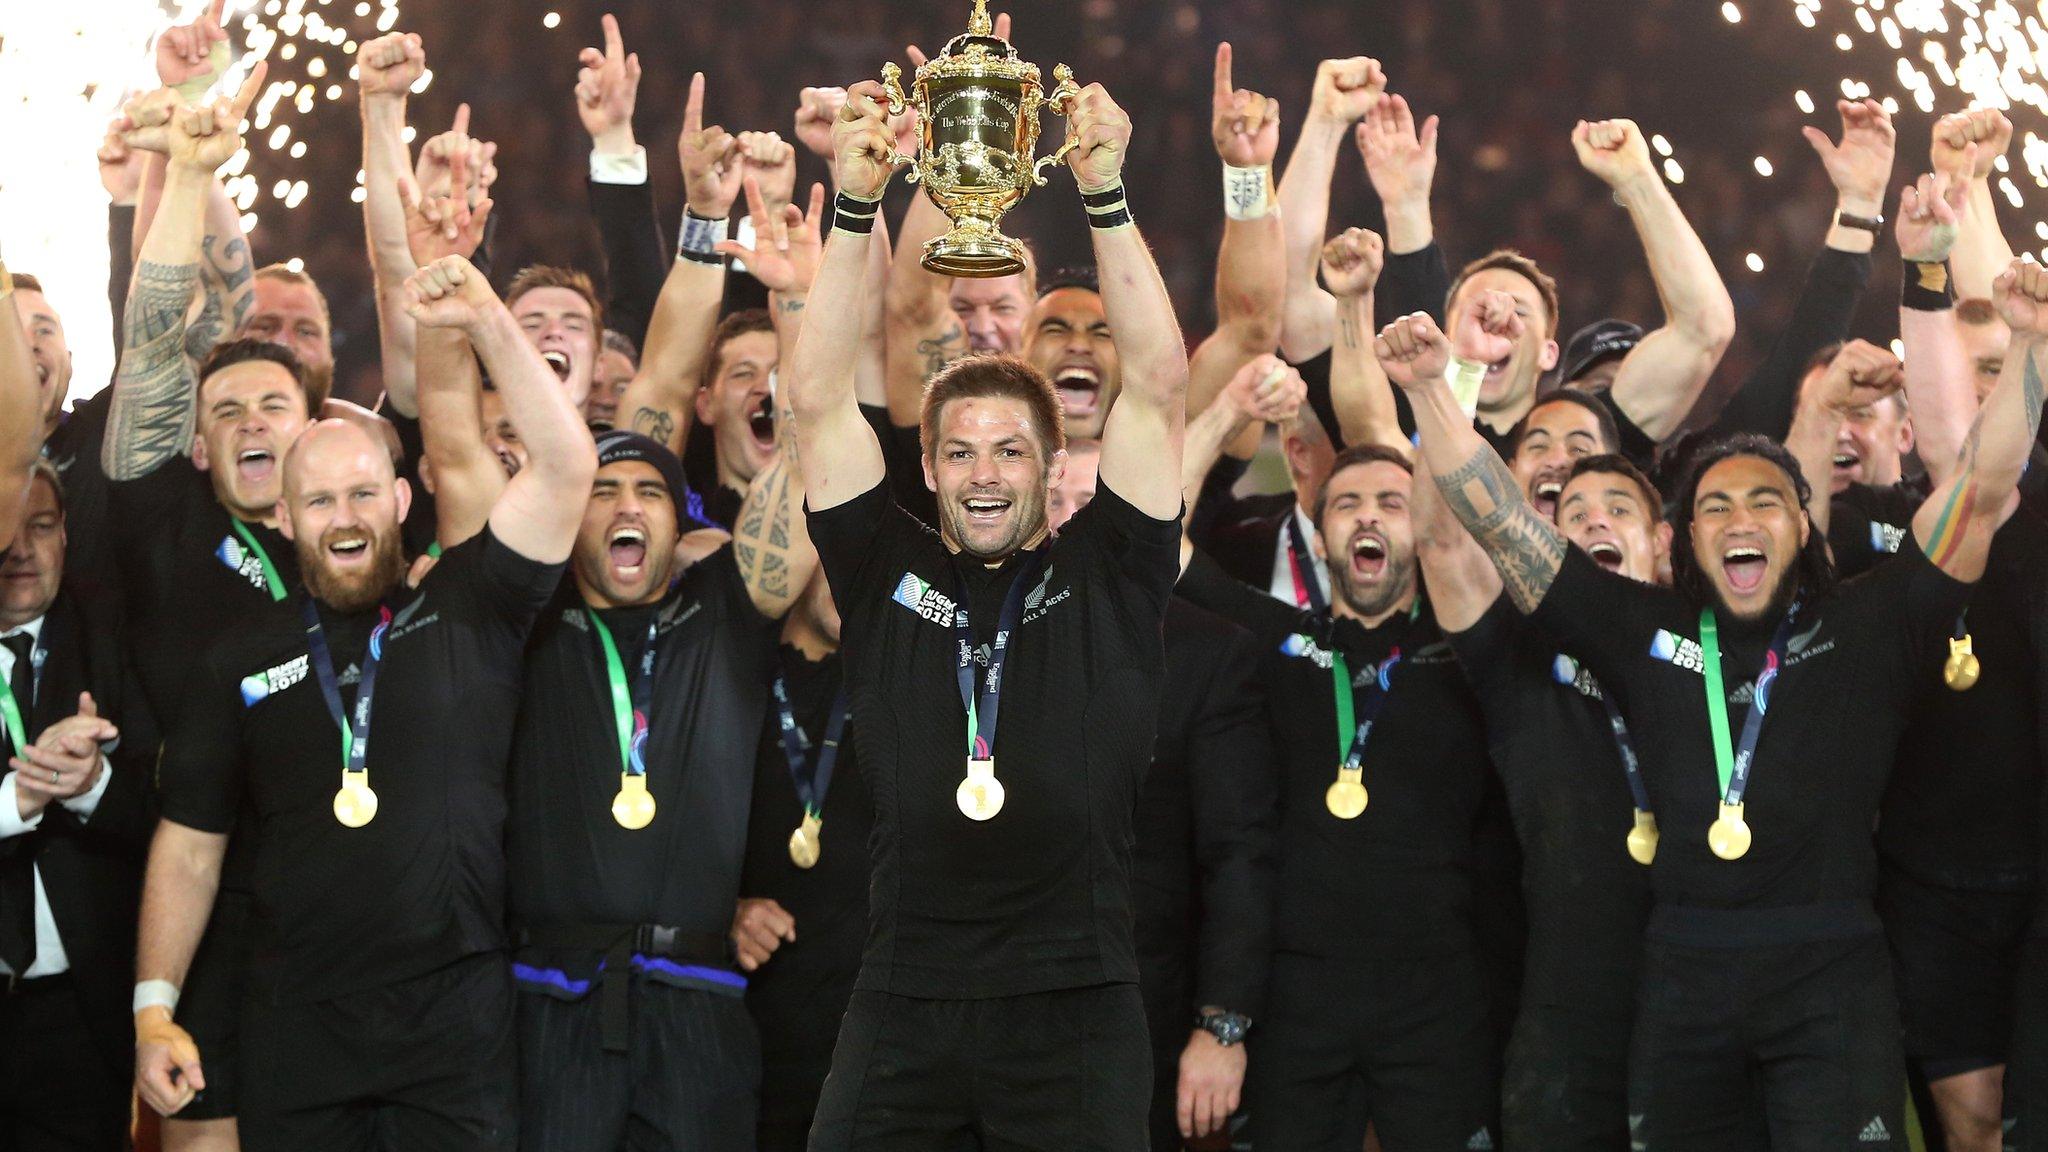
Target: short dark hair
[991,375]
[1512,261]
[286,274]
[1070,276]
[554,276]
[732,327]
[233,352]
[23,282]
[1815,570]
[1615,464]
[1610,432]
[1352,457]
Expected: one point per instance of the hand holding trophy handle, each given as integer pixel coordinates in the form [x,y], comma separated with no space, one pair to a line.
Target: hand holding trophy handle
[892,88]
[1060,99]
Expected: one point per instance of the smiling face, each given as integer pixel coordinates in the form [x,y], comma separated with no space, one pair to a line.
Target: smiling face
[560,324]
[1366,538]
[1558,434]
[250,414]
[1606,514]
[991,310]
[1746,533]
[33,567]
[1510,383]
[990,469]
[737,407]
[626,547]
[47,349]
[1070,343]
[341,509]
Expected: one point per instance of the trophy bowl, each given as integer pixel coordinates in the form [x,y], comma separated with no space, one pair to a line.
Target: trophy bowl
[978,105]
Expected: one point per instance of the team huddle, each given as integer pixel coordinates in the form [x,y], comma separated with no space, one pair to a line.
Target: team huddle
[596,745]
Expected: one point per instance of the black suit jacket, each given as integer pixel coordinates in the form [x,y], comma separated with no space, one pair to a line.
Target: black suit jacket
[1239,532]
[1205,828]
[92,870]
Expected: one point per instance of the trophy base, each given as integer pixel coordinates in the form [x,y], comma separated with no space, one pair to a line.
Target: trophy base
[982,255]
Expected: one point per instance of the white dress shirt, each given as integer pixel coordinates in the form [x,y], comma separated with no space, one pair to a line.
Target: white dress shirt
[1282,585]
[50,958]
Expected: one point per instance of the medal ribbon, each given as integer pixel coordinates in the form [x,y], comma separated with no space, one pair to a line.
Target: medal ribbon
[981,705]
[270,577]
[1301,563]
[1733,766]
[10,710]
[1352,732]
[630,708]
[355,738]
[811,785]
[1627,747]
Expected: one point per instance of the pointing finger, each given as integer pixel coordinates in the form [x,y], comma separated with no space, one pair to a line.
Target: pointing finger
[1223,85]
[614,43]
[693,107]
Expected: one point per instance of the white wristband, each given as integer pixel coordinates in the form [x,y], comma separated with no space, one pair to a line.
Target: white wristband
[157,994]
[698,238]
[1247,192]
[1466,376]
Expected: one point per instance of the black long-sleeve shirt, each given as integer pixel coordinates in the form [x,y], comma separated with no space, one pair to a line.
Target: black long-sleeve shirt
[636,255]
[1834,288]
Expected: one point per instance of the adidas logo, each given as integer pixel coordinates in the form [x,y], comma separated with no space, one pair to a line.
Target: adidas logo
[1875,1133]
[1481,1141]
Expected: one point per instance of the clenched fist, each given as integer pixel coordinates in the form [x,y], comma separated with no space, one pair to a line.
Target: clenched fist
[1413,350]
[1102,135]
[449,293]
[2021,292]
[1986,128]
[388,67]
[1352,261]
[1346,89]
[862,143]
[1860,375]
[1613,150]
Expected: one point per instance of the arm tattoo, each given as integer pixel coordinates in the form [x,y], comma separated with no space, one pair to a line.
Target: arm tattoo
[941,350]
[657,424]
[761,541]
[1349,327]
[1951,524]
[153,412]
[1523,546]
[229,281]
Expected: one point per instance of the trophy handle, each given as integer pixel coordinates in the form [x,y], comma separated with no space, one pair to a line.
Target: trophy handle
[1061,99]
[892,90]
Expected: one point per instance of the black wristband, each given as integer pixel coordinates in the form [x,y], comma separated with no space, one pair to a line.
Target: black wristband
[1926,287]
[1107,208]
[853,214]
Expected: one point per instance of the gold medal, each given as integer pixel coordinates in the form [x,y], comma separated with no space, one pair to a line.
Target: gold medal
[1346,798]
[1961,669]
[1729,837]
[1642,839]
[980,796]
[633,807]
[805,844]
[355,805]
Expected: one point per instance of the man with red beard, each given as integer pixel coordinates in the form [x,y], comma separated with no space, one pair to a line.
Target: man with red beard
[1000,950]
[630,793]
[379,1012]
[1766,978]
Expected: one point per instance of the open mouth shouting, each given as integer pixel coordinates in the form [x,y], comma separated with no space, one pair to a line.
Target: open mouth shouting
[1606,554]
[626,552]
[255,465]
[1080,388]
[1368,556]
[1847,461]
[985,510]
[1745,567]
[761,423]
[558,361]
[348,548]
[1544,493]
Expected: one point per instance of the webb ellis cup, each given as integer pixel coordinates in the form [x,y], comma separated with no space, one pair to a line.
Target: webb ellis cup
[977,107]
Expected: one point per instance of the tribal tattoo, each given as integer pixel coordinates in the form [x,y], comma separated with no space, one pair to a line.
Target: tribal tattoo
[154,404]
[1524,546]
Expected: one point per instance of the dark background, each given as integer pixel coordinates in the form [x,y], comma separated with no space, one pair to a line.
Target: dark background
[1509,80]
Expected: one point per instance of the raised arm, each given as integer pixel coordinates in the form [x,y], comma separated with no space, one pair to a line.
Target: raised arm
[1344,91]
[772,541]
[540,508]
[1359,392]
[1265,391]
[1939,384]
[621,201]
[1142,439]
[1955,525]
[1661,377]
[660,400]
[386,70]
[837,450]
[1981,251]
[1474,482]
[154,406]
[1860,376]
[1251,265]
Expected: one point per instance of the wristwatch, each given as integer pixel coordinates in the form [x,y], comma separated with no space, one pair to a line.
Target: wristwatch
[1872,224]
[1227,1027]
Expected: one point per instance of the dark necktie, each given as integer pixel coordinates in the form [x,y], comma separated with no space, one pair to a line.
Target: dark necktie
[17,867]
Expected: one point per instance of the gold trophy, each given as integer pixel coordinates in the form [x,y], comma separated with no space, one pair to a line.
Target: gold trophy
[977,106]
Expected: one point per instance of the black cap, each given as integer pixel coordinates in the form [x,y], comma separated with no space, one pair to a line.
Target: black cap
[1592,344]
[615,446]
